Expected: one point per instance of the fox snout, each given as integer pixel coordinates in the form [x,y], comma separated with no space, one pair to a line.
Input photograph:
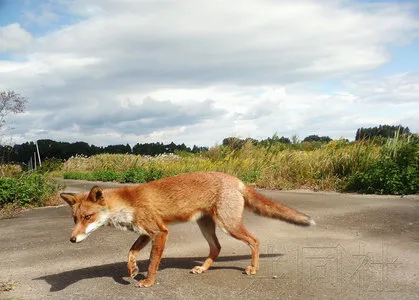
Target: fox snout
[77,238]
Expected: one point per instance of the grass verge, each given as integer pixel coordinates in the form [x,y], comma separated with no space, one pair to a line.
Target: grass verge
[25,190]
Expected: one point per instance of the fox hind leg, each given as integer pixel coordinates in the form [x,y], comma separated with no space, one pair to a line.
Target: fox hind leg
[229,219]
[207,226]
[242,234]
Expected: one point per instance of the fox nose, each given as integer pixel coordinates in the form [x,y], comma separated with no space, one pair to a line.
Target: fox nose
[73,239]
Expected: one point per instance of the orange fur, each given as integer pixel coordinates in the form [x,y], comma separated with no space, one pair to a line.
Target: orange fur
[210,198]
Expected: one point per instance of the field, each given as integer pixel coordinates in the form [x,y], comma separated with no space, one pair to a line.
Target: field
[381,166]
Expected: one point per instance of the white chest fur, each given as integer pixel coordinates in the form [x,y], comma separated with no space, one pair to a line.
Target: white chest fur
[123,220]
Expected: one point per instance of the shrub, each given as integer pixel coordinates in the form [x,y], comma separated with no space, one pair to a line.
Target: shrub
[396,171]
[135,175]
[386,177]
[104,175]
[77,175]
[153,173]
[28,189]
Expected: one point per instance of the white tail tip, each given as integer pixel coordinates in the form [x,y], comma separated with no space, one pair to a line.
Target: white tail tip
[312,222]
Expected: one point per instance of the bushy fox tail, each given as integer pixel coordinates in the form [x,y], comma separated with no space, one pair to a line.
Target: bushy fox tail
[266,207]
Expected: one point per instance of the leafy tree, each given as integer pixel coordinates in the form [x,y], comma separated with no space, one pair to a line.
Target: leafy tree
[316,138]
[284,140]
[197,149]
[233,142]
[275,139]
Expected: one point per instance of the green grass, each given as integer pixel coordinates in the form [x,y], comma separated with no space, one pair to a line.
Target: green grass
[26,189]
[133,175]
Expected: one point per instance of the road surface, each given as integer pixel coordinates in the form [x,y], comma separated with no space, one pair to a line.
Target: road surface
[363,247]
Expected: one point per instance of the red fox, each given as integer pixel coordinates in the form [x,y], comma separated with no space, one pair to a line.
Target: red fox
[209,198]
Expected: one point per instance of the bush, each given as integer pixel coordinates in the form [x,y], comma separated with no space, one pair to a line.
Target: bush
[104,175]
[386,177]
[395,172]
[28,189]
[137,175]
[77,175]
[153,173]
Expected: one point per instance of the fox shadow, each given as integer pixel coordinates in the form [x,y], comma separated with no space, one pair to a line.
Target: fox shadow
[117,271]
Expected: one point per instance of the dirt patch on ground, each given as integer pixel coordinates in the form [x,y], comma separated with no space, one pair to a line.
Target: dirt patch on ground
[7,286]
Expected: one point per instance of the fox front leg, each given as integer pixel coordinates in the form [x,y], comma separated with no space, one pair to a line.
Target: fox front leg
[139,244]
[159,243]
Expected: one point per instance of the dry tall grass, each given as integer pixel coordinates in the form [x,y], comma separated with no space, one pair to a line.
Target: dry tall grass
[274,166]
[8,170]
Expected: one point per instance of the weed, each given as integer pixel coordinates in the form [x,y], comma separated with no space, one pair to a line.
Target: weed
[27,189]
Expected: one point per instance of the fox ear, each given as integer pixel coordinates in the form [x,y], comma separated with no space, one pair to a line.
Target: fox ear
[69,198]
[95,194]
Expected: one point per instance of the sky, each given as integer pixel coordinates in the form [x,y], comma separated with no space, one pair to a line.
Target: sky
[195,72]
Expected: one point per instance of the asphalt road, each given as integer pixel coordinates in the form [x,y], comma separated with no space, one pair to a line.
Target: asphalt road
[363,247]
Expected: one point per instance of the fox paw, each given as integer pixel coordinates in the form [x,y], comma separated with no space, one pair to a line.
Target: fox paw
[198,270]
[133,270]
[250,270]
[145,283]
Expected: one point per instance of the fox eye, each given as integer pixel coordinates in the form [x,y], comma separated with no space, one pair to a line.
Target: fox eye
[87,217]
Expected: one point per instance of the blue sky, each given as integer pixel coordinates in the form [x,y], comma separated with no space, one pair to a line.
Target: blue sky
[403,59]
[20,11]
[108,72]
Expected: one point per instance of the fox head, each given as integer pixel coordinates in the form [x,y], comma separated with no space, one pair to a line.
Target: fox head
[89,212]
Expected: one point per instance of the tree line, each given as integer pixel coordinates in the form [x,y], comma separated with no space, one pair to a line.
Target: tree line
[237,143]
[22,153]
[386,131]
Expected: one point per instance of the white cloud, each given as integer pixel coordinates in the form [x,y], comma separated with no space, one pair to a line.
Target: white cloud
[397,88]
[13,38]
[211,69]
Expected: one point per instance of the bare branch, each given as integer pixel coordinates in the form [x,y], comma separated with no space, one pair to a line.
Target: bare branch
[10,103]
